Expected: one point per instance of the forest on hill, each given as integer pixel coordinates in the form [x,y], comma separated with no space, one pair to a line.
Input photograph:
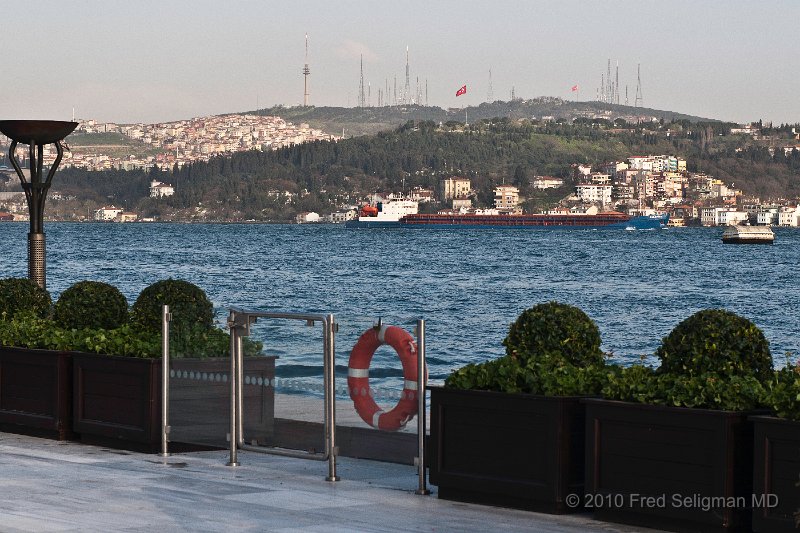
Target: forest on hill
[324,176]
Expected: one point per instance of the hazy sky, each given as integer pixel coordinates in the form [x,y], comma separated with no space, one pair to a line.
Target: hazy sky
[151,61]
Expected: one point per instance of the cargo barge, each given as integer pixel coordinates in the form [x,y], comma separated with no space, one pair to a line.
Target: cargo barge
[611,220]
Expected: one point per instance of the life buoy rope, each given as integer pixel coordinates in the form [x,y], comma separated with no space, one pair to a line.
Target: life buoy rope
[358,377]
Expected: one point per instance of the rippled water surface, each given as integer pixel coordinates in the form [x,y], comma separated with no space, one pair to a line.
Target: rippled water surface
[468,284]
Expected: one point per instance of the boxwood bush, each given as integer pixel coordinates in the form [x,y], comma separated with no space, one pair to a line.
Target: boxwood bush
[551,349]
[555,329]
[190,307]
[91,304]
[22,294]
[716,341]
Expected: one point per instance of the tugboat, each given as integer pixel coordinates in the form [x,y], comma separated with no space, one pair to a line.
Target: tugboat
[748,235]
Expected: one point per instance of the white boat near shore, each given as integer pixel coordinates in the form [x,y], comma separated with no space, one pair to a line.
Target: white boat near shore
[748,235]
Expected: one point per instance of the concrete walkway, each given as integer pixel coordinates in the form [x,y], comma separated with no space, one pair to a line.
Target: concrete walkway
[63,486]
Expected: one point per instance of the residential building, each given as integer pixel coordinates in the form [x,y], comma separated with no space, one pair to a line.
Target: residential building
[767,216]
[306,217]
[506,199]
[546,182]
[108,213]
[454,187]
[594,193]
[160,190]
[788,216]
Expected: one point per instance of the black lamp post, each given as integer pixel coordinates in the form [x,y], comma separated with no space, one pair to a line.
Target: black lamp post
[36,133]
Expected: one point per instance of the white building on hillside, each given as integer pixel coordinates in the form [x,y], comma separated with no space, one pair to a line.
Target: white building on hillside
[108,213]
[159,190]
[787,216]
[594,193]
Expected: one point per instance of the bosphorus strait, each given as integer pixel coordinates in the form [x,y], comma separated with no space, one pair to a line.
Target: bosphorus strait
[468,284]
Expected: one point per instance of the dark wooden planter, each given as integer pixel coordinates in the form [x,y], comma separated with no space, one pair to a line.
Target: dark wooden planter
[36,392]
[510,450]
[776,472]
[669,467]
[117,400]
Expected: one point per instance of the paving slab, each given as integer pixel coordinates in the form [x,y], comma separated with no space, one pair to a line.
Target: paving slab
[66,486]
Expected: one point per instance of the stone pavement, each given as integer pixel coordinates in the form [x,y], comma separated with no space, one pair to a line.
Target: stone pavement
[47,486]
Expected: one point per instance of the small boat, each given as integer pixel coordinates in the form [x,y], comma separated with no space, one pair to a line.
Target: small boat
[748,235]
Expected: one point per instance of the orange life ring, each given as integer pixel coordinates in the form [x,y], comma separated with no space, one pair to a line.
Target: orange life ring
[358,377]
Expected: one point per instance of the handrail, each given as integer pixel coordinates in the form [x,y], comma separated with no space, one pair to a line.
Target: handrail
[239,322]
[422,378]
[166,316]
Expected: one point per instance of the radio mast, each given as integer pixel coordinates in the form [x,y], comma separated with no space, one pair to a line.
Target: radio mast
[361,100]
[637,102]
[407,92]
[306,72]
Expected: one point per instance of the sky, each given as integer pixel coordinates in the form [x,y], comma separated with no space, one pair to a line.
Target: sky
[158,61]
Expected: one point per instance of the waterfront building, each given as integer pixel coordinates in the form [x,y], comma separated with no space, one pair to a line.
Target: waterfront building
[767,216]
[506,199]
[454,187]
[788,216]
[307,217]
[338,217]
[462,204]
[107,213]
[594,193]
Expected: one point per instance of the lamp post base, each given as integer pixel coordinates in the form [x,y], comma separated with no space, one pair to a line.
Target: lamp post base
[36,255]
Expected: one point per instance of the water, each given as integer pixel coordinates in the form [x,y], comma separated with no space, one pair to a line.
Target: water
[468,284]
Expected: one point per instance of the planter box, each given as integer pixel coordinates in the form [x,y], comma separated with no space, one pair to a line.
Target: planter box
[510,450]
[117,400]
[776,471]
[36,392]
[669,467]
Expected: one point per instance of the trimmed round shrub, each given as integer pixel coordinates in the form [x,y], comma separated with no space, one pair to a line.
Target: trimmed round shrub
[716,341]
[91,304]
[191,309]
[22,294]
[555,329]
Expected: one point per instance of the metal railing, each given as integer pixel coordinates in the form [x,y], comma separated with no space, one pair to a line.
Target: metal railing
[239,322]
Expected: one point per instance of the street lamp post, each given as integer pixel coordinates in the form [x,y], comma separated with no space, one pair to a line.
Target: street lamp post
[36,134]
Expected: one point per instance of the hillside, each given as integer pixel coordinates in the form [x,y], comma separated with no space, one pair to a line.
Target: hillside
[324,176]
[370,120]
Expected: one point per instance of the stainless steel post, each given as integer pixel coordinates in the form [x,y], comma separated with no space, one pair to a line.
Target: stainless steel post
[165,319]
[240,389]
[233,461]
[422,378]
[329,372]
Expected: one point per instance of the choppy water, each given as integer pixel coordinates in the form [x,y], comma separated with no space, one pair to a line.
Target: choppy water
[468,284]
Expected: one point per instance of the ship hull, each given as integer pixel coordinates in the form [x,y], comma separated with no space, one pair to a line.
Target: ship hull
[610,221]
[372,224]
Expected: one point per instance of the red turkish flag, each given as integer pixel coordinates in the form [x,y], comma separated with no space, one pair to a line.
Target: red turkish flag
[574,88]
[462,90]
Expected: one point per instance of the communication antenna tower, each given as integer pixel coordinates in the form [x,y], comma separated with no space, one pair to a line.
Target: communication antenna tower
[490,93]
[609,87]
[637,102]
[616,84]
[361,100]
[407,92]
[306,72]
